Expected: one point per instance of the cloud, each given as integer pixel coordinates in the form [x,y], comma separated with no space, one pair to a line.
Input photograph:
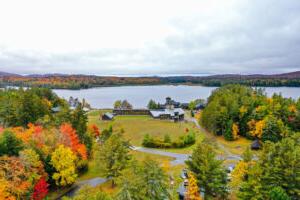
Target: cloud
[160,38]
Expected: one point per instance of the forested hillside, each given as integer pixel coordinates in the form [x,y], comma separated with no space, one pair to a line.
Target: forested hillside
[86,81]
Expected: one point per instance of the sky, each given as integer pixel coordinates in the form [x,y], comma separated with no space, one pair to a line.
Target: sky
[149,37]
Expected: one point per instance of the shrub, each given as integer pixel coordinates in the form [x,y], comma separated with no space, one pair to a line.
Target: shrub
[180,142]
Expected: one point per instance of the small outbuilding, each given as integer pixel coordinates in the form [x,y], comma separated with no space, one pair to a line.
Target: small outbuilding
[107,116]
[256,145]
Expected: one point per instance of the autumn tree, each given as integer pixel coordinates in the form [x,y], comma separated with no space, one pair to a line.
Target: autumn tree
[235,131]
[256,128]
[15,177]
[210,173]
[122,104]
[192,192]
[72,140]
[240,172]
[238,175]
[94,130]
[31,161]
[118,104]
[114,156]
[40,189]
[63,160]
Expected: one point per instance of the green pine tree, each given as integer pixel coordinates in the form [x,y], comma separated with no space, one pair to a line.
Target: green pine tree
[209,171]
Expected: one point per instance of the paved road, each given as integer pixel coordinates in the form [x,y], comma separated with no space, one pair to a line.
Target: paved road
[78,185]
[178,157]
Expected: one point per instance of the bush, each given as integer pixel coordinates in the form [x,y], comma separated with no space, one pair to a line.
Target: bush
[182,141]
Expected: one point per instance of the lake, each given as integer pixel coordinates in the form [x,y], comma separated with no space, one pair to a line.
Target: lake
[139,96]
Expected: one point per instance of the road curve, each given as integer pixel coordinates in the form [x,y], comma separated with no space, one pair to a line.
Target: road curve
[179,158]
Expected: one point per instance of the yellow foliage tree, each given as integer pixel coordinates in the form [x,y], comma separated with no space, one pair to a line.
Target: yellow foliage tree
[243,110]
[256,128]
[238,174]
[192,192]
[292,109]
[235,131]
[63,160]
[4,194]
[166,166]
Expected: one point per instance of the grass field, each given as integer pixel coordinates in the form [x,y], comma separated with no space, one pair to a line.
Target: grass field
[136,127]
[94,169]
[174,171]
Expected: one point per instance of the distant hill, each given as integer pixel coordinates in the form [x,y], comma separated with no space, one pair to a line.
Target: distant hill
[69,81]
[5,74]
[289,75]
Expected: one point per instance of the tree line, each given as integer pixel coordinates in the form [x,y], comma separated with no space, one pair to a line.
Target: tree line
[234,110]
[86,81]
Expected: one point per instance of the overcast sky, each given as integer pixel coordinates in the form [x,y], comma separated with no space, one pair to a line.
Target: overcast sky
[149,37]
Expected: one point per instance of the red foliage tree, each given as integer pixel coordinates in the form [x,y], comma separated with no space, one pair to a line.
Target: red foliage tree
[72,140]
[95,131]
[40,190]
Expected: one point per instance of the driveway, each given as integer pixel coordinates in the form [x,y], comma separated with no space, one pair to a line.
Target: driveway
[178,157]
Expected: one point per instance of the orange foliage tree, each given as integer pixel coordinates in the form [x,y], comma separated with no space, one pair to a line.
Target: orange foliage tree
[71,140]
[27,134]
[94,130]
[15,177]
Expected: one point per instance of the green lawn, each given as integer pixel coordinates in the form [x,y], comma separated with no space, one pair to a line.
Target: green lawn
[136,127]
[94,169]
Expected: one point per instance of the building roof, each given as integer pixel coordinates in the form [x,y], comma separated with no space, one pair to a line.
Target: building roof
[86,109]
[109,115]
[171,112]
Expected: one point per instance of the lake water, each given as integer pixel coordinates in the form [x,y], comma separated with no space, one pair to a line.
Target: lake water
[139,96]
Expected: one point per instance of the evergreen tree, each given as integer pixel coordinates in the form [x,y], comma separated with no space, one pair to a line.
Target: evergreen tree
[209,171]
[152,105]
[114,156]
[278,165]
[247,155]
[79,122]
[228,132]
[9,144]
[278,193]
[145,181]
